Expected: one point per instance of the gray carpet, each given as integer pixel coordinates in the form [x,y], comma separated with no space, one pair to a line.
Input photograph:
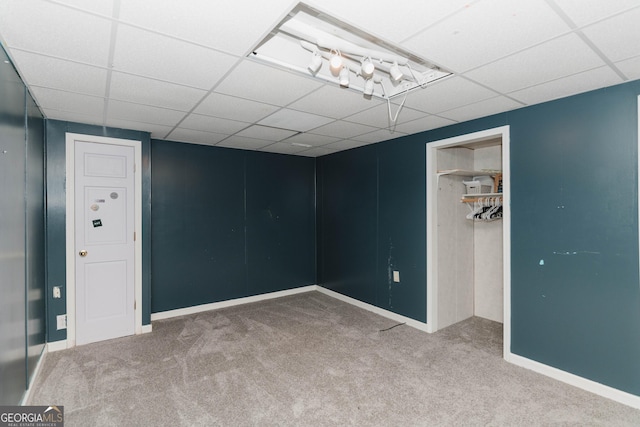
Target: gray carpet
[309,360]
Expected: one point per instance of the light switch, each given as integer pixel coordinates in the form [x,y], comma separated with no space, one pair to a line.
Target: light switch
[396,276]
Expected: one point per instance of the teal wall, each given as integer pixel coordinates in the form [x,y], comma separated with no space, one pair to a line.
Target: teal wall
[22,268]
[574,204]
[372,221]
[229,224]
[56,215]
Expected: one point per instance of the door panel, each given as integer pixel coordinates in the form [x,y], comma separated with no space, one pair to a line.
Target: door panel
[105,264]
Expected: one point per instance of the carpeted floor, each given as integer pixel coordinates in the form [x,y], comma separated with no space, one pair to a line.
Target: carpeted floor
[309,360]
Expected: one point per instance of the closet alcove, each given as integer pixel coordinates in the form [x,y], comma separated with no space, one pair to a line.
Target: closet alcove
[469,257]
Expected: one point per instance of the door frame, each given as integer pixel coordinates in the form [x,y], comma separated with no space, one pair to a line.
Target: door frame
[432,228]
[70,227]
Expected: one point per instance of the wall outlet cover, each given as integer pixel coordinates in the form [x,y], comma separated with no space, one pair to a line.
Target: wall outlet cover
[61,321]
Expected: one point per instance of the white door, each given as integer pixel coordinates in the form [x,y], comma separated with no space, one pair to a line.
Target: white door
[104,241]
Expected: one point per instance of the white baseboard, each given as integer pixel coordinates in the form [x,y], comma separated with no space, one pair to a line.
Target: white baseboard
[576,381]
[377,310]
[27,395]
[229,303]
[146,329]
[56,346]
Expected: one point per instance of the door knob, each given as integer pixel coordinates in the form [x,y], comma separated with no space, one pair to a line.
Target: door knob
[83,253]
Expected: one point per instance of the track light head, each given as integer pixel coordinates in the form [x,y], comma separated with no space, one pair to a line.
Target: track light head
[335,64]
[315,64]
[367,68]
[395,73]
[368,88]
[344,77]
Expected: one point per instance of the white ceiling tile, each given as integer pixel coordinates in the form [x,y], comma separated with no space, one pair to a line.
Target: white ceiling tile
[331,101]
[72,117]
[447,94]
[141,90]
[207,22]
[156,131]
[346,144]
[235,141]
[484,108]
[282,148]
[583,12]
[317,152]
[56,30]
[212,124]
[294,120]
[561,57]
[195,136]
[102,7]
[379,116]
[259,82]
[394,21]
[265,132]
[152,55]
[630,67]
[423,124]
[487,30]
[60,74]
[67,101]
[311,139]
[143,113]
[341,129]
[230,107]
[571,85]
[378,136]
[618,37]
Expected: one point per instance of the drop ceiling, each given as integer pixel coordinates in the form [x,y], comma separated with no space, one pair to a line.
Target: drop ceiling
[182,70]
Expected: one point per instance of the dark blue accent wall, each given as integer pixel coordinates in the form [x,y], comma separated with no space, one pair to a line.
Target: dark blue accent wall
[56,215]
[22,270]
[574,205]
[229,223]
[372,207]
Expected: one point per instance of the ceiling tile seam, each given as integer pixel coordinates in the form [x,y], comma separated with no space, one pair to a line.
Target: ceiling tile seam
[112,49]
[602,56]
[176,38]
[209,92]
[557,79]
[478,102]
[578,31]
[439,21]
[101,67]
[79,9]
[139,27]
[506,95]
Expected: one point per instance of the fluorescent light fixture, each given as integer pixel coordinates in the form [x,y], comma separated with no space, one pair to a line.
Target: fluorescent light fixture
[306,29]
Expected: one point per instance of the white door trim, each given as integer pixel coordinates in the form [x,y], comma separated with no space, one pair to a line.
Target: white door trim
[70,228]
[432,241]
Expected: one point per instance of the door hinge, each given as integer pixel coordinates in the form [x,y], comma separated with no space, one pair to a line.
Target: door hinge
[134,236]
[134,305]
[134,168]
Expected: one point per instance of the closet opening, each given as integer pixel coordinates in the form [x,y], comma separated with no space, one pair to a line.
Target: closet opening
[468,230]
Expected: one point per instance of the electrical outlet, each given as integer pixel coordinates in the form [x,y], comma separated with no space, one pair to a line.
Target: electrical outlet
[62,321]
[396,276]
[56,292]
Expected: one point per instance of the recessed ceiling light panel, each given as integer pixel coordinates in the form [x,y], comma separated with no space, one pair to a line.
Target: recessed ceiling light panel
[307,33]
